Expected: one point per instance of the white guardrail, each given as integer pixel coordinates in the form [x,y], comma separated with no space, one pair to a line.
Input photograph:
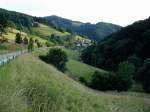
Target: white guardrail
[4,58]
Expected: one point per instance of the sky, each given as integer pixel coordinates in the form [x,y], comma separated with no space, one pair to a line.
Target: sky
[121,12]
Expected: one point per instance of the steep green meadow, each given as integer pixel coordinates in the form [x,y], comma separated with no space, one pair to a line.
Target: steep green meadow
[46,31]
[75,68]
[30,85]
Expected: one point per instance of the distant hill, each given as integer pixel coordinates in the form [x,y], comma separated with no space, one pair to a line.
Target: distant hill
[39,28]
[93,31]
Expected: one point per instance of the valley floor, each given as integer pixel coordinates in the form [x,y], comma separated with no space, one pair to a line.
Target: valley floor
[30,85]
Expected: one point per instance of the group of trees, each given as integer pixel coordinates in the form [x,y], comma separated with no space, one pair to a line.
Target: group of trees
[30,42]
[20,20]
[129,44]
[3,25]
[67,41]
[56,57]
[121,80]
[25,41]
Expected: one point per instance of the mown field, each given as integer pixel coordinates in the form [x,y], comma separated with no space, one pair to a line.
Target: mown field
[30,85]
[46,31]
[11,35]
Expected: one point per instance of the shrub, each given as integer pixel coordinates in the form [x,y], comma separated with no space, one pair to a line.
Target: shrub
[48,44]
[143,75]
[18,38]
[103,81]
[58,58]
[25,40]
[82,80]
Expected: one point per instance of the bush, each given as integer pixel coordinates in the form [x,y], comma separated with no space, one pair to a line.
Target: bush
[58,58]
[82,80]
[25,40]
[121,80]
[18,38]
[103,81]
[48,44]
[143,75]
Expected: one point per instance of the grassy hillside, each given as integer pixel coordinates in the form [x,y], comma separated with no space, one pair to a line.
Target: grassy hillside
[29,85]
[46,31]
[75,55]
[11,35]
[10,45]
[76,69]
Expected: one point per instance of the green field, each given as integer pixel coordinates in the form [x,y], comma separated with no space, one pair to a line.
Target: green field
[29,85]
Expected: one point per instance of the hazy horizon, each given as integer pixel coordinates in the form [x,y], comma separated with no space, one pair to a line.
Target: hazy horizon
[120,12]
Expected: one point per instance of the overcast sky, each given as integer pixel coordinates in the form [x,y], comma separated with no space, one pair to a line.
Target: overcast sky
[121,12]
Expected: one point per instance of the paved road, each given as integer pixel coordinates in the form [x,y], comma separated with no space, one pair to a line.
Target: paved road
[4,58]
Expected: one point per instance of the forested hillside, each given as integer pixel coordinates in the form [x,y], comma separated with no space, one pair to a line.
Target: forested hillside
[130,44]
[93,31]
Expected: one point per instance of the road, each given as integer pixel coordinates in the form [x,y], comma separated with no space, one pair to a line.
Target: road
[4,58]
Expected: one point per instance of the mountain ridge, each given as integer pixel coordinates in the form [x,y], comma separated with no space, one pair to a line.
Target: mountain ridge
[94,31]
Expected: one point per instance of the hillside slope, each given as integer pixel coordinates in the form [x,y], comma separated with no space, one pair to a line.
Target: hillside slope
[29,85]
[77,70]
[93,31]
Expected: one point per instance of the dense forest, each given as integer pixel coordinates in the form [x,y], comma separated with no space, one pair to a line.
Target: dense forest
[19,19]
[130,44]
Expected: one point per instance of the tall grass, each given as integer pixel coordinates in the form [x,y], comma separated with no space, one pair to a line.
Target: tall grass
[29,85]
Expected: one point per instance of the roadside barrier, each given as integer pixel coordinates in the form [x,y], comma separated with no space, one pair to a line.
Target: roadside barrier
[5,58]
